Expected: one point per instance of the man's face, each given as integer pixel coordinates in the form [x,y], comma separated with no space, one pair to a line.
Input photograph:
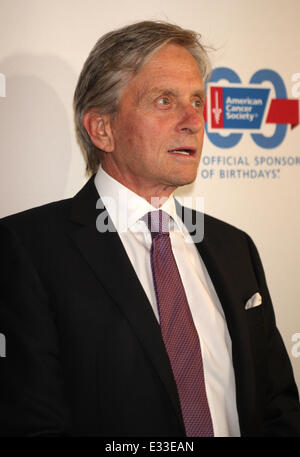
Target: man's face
[158,131]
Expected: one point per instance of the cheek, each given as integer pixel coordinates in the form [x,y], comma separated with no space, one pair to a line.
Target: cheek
[125,133]
[154,133]
[126,142]
[142,134]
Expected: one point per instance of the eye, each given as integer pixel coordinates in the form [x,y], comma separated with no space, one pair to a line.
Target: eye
[197,103]
[163,101]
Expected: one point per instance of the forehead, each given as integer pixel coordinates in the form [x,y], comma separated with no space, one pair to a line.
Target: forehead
[171,54]
[170,67]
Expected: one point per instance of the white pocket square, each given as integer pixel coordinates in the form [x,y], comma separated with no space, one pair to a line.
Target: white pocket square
[254,301]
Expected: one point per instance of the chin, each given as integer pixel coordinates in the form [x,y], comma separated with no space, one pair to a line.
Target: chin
[184,180]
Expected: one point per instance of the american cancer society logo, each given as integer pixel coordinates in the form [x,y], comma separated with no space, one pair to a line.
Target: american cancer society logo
[237,108]
[233,108]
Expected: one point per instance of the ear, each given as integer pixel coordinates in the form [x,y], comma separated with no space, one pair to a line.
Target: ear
[98,126]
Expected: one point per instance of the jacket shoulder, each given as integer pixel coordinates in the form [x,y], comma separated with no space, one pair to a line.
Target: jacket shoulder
[220,225]
[38,218]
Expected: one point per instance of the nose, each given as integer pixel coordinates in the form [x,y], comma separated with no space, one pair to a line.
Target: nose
[191,120]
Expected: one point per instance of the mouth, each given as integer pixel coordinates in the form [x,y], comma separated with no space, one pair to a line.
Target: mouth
[183,151]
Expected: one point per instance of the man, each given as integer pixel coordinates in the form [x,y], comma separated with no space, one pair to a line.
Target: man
[115,327]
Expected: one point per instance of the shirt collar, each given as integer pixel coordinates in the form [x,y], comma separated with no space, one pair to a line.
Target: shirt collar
[125,207]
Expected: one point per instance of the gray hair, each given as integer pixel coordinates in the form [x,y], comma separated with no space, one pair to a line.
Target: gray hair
[115,59]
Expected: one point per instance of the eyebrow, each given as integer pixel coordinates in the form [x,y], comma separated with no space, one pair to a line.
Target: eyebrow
[163,91]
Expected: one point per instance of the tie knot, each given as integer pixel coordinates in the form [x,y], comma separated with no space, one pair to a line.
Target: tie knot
[157,222]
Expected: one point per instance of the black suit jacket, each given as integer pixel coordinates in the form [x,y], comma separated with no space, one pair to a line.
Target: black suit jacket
[84,352]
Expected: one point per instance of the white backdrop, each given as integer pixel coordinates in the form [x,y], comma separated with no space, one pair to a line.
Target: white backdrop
[43,44]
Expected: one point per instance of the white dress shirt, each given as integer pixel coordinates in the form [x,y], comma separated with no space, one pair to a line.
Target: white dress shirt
[126,209]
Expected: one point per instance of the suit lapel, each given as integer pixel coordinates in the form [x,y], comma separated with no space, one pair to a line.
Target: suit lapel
[107,258]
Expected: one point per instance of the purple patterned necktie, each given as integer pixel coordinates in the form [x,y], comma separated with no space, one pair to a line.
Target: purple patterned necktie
[178,330]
